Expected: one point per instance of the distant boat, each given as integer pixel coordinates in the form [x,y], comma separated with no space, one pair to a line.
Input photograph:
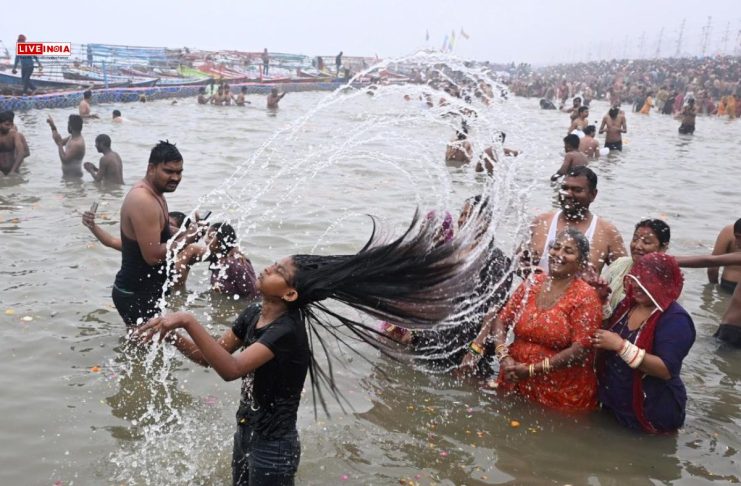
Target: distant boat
[15,80]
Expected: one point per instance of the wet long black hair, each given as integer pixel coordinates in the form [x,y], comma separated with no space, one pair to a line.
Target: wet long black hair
[408,281]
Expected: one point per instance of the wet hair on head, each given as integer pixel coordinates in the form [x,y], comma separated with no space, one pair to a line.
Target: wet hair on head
[164,151]
[408,281]
[75,122]
[582,243]
[12,115]
[659,228]
[571,140]
[225,235]
[5,117]
[584,171]
[177,217]
[104,140]
[116,113]
[87,94]
[583,109]
[614,112]
[737,226]
[590,130]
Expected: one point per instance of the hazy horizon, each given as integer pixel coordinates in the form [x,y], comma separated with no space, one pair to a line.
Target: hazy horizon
[531,31]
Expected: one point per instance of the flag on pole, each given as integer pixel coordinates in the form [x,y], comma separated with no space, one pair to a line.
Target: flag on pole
[445,44]
[427,35]
[452,40]
[463,34]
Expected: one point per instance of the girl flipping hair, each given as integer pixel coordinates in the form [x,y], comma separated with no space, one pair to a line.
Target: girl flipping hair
[409,281]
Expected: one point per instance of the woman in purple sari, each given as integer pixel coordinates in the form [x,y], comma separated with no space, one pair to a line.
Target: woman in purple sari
[647,337]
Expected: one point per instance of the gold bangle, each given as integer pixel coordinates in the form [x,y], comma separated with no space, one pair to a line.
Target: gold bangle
[476,348]
[531,369]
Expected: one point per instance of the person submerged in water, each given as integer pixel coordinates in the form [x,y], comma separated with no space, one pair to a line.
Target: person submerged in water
[12,150]
[460,149]
[117,118]
[688,118]
[489,157]
[573,158]
[84,107]
[241,100]
[588,145]
[274,97]
[277,336]
[728,241]
[729,331]
[581,121]
[72,148]
[110,167]
[202,98]
[231,271]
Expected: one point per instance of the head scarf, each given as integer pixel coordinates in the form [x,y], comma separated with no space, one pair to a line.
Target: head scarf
[658,275]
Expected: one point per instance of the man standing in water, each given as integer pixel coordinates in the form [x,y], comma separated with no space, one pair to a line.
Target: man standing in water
[145,230]
[274,98]
[110,168]
[729,330]
[573,157]
[578,191]
[84,106]
[615,125]
[688,118]
[12,151]
[728,241]
[71,148]
[588,145]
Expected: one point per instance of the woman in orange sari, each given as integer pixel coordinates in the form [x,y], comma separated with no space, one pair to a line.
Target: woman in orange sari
[550,360]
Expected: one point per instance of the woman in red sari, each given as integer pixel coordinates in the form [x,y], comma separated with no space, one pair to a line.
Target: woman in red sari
[550,360]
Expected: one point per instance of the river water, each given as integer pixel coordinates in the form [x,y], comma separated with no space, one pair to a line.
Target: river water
[79,407]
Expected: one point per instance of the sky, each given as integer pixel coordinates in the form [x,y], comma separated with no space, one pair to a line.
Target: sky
[538,32]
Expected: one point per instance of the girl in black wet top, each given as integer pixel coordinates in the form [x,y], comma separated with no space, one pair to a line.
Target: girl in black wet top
[407,281]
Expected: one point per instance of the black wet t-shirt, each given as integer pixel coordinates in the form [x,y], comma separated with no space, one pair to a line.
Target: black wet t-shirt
[271,394]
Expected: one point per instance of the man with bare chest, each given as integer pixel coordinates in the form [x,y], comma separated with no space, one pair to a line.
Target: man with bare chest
[614,125]
[110,168]
[578,191]
[72,148]
[12,151]
[573,157]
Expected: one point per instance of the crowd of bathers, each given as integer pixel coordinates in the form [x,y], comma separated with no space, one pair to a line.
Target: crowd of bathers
[714,83]
[590,324]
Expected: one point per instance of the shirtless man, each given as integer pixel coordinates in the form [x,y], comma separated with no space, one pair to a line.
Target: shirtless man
[218,98]
[580,122]
[241,101]
[460,149]
[14,130]
[573,157]
[728,241]
[489,157]
[615,125]
[145,230]
[578,191]
[688,118]
[265,62]
[588,145]
[574,110]
[274,98]
[202,98]
[84,107]
[72,148]
[729,330]
[110,168]
[117,118]
[227,95]
[12,152]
